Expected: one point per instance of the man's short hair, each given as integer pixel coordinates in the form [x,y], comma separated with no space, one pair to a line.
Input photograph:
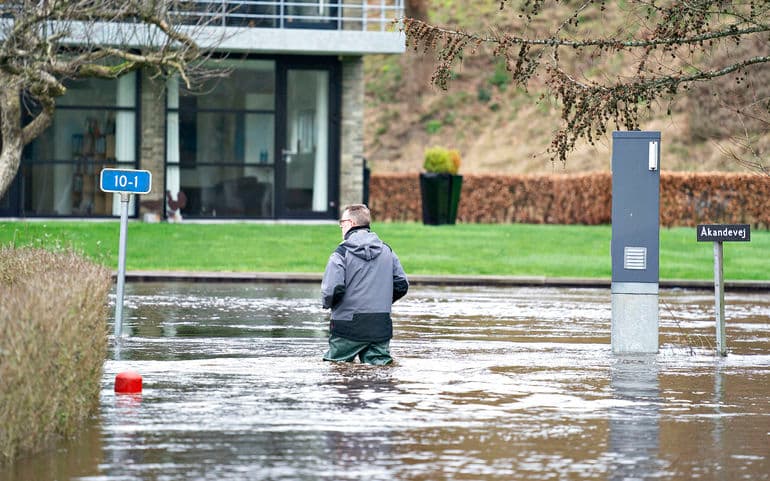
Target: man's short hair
[359,213]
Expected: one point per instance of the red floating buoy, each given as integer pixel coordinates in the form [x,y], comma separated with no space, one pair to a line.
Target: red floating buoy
[128,382]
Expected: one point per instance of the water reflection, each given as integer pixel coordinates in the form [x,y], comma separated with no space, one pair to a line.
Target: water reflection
[719,425]
[635,421]
[488,384]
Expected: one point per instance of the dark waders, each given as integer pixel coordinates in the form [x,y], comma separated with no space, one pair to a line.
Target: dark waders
[341,349]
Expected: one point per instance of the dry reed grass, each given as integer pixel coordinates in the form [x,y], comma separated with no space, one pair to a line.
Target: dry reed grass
[53,342]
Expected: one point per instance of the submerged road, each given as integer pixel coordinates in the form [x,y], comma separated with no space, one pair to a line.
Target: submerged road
[492,383]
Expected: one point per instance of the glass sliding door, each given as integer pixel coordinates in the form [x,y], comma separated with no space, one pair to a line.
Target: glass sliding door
[306,152]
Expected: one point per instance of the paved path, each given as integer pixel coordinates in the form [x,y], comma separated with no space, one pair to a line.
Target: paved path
[447,280]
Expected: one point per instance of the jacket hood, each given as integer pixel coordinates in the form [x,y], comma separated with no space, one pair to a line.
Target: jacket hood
[363,243]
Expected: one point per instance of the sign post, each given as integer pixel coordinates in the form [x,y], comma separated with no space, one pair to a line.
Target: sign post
[719,233]
[124,182]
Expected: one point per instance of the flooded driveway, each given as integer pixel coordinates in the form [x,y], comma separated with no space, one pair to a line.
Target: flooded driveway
[488,384]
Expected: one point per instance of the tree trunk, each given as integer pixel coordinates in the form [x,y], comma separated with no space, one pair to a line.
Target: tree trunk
[10,126]
[14,136]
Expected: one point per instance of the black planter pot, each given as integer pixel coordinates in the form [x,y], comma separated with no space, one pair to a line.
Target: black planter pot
[440,197]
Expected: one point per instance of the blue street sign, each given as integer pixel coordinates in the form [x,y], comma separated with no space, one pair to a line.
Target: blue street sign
[126,181]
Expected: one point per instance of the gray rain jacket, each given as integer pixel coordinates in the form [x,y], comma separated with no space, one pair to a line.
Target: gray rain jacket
[363,278]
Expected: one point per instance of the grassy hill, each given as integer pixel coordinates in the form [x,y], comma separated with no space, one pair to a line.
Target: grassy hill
[500,128]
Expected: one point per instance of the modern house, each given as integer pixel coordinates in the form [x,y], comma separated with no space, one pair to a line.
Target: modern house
[281,137]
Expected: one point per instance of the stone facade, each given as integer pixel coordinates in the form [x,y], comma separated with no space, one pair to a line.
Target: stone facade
[152,144]
[352,132]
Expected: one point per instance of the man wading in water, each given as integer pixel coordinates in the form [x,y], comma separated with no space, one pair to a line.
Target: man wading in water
[363,279]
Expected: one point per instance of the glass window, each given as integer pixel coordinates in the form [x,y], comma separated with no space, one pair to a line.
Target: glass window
[311,14]
[251,88]
[94,92]
[220,145]
[227,191]
[253,13]
[94,126]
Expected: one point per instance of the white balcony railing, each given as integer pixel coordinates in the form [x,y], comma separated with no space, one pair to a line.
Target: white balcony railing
[362,15]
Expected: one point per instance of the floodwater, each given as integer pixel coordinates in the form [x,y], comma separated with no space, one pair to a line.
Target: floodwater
[488,384]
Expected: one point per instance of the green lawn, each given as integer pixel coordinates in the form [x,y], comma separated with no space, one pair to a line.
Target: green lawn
[517,249]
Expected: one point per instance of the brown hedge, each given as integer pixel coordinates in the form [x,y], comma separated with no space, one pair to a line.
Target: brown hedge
[53,342]
[687,199]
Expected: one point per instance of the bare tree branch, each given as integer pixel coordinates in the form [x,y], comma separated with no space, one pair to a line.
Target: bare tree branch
[669,43]
[44,43]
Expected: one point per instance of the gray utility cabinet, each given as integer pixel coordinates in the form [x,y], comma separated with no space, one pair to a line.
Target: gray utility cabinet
[635,241]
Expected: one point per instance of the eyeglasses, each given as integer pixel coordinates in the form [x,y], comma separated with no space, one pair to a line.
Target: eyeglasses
[345,220]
